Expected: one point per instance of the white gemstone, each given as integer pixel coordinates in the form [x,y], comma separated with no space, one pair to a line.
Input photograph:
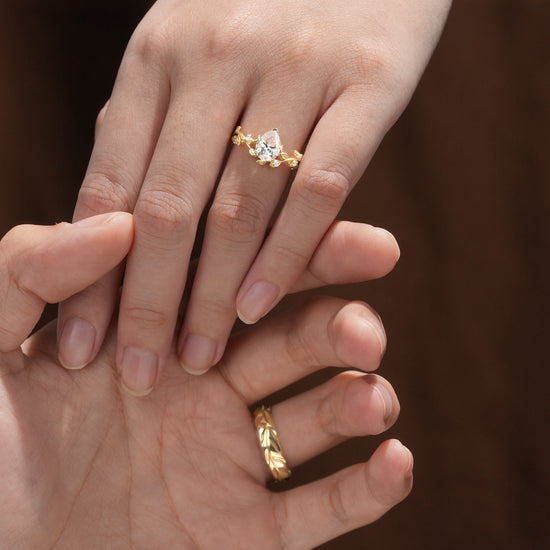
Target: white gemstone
[268,146]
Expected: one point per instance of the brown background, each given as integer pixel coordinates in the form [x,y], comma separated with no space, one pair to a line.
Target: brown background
[463,182]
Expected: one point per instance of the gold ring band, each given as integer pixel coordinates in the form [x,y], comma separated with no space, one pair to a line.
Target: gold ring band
[267,149]
[271,446]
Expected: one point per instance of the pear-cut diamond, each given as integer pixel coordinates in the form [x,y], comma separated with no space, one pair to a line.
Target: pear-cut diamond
[268,146]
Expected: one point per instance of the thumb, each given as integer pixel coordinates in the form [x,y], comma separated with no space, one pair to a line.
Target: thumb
[49,264]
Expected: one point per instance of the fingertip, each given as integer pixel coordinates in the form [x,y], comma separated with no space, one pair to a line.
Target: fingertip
[139,371]
[389,474]
[386,398]
[396,462]
[133,393]
[256,301]
[77,342]
[103,219]
[193,372]
[392,244]
[359,337]
[197,353]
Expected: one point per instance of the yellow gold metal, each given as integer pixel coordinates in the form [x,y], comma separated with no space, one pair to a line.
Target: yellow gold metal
[271,446]
[239,138]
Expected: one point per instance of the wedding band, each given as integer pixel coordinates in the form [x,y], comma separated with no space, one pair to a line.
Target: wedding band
[267,149]
[271,446]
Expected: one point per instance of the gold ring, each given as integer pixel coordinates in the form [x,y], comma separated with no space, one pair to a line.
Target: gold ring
[267,149]
[271,446]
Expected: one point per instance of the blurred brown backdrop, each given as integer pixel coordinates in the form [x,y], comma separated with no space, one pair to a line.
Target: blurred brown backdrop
[462,180]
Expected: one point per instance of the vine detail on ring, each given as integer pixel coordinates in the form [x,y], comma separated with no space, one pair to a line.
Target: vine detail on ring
[267,149]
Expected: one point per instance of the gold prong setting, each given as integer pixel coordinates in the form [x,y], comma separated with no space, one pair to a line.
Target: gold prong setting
[267,148]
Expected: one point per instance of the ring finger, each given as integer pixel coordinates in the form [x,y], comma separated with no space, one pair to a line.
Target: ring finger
[244,203]
[351,404]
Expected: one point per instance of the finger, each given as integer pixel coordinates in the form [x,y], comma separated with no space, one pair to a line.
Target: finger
[127,131]
[350,253]
[336,156]
[323,510]
[350,405]
[237,222]
[180,179]
[324,332]
[49,264]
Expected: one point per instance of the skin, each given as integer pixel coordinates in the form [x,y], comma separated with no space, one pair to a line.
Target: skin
[333,74]
[84,464]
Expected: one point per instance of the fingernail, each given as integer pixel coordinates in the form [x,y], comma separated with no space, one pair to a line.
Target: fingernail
[95,221]
[378,331]
[389,236]
[408,473]
[198,353]
[410,468]
[76,344]
[257,301]
[139,369]
[385,398]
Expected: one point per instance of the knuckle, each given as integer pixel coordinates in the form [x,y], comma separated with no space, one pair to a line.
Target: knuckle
[145,317]
[291,256]
[282,516]
[217,310]
[162,213]
[302,347]
[232,38]
[106,190]
[150,44]
[326,187]
[238,217]
[373,61]
[377,493]
[336,506]
[100,117]
[326,417]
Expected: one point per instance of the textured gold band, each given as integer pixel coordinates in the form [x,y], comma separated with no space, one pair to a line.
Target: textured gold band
[271,446]
[267,149]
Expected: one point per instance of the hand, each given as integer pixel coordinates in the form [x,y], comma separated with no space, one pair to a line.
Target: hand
[337,72]
[84,465]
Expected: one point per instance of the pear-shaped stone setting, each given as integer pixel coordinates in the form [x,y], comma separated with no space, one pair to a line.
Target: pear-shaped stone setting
[268,146]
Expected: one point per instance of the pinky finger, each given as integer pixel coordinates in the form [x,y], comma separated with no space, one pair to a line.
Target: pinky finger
[350,252]
[347,500]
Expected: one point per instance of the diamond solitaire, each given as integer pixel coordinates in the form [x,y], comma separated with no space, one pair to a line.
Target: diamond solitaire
[267,148]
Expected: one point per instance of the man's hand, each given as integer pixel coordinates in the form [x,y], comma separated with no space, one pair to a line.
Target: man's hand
[86,465]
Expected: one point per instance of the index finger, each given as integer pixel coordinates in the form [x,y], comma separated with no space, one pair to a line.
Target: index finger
[126,134]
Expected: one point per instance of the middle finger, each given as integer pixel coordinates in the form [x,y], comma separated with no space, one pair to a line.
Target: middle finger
[181,176]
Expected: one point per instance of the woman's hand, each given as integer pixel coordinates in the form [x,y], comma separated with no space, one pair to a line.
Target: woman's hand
[333,74]
[85,465]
